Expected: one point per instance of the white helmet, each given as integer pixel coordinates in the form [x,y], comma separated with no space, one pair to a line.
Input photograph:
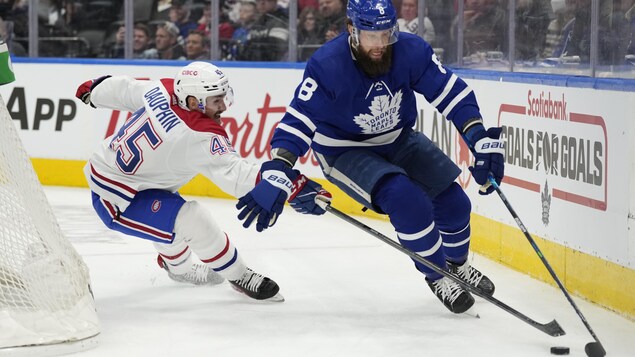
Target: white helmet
[201,80]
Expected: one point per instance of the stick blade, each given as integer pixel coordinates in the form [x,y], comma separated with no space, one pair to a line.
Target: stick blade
[594,349]
[552,329]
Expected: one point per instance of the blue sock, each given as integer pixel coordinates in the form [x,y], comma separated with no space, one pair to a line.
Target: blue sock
[410,212]
[452,210]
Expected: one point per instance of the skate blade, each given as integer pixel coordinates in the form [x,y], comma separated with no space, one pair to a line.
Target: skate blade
[472,312]
[275,298]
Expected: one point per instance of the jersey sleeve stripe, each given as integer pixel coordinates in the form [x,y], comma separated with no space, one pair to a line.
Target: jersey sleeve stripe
[446,90]
[293,131]
[303,118]
[456,101]
[384,139]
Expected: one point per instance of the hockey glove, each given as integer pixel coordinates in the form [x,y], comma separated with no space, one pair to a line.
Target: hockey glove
[84,89]
[265,202]
[305,195]
[489,158]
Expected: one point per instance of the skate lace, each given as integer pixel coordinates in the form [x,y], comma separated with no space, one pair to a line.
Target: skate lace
[449,290]
[251,280]
[198,274]
[469,274]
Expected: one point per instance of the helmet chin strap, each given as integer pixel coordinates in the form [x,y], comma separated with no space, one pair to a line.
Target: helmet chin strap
[355,37]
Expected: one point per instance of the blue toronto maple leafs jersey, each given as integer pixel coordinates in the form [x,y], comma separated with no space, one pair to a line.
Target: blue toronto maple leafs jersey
[337,107]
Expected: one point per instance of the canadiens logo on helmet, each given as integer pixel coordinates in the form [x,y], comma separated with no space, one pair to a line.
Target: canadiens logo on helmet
[156,206]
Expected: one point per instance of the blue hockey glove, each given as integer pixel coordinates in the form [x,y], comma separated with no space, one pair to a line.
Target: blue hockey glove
[84,89]
[265,202]
[489,157]
[305,195]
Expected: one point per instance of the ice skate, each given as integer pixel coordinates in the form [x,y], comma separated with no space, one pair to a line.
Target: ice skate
[200,274]
[472,276]
[257,286]
[451,295]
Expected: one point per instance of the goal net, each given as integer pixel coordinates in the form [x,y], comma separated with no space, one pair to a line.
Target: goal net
[45,296]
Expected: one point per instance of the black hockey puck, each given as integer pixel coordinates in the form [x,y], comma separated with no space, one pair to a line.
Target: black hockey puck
[559,350]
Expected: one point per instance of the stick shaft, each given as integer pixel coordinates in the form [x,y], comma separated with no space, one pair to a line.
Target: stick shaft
[552,328]
[532,242]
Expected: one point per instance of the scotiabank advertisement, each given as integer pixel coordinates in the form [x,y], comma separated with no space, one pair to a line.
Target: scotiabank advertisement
[568,162]
[569,156]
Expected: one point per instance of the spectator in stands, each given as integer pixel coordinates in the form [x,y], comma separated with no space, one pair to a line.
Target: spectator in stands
[197,46]
[563,15]
[225,26]
[575,42]
[303,4]
[141,42]
[142,39]
[246,18]
[116,49]
[6,35]
[575,39]
[309,37]
[333,15]
[409,21]
[441,14]
[619,32]
[60,17]
[16,11]
[180,16]
[532,20]
[485,27]
[269,35]
[166,44]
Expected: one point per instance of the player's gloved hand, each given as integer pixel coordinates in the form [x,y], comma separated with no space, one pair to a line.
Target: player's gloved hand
[489,158]
[84,89]
[305,195]
[265,202]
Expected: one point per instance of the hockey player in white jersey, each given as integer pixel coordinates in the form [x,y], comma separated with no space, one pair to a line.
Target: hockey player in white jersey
[173,135]
[356,107]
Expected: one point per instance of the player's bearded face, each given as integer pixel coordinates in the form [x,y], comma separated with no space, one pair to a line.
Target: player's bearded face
[215,106]
[375,60]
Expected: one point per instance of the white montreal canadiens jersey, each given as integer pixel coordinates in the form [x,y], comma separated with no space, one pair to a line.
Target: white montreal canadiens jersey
[338,108]
[161,146]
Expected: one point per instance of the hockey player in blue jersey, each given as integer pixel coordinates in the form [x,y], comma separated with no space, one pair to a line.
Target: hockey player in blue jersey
[356,108]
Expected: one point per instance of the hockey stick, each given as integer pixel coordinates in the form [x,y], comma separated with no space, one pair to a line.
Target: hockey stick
[552,328]
[592,349]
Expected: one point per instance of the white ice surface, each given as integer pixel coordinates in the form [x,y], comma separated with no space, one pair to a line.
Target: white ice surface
[347,294]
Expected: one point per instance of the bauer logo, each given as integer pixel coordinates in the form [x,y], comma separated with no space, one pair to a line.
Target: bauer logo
[547,140]
[156,206]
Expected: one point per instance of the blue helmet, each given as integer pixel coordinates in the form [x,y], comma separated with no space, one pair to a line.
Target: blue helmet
[372,15]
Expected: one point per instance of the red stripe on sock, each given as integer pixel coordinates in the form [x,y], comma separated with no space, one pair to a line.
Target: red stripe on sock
[173,257]
[220,255]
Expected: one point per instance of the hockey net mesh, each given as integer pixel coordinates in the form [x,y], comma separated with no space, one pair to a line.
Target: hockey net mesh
[45,296]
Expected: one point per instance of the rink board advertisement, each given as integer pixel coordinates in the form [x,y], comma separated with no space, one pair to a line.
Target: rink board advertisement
[566,167]
[568,157]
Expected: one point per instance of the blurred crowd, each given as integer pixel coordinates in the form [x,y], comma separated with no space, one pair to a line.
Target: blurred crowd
[545,31]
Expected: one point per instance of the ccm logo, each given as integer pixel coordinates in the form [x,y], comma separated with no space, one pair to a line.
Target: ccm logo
[188,72]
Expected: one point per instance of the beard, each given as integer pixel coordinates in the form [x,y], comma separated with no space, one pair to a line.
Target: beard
[371,67]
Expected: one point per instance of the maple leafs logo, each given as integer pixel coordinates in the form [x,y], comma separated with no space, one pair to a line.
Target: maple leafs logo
[383,116]
[545,199]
